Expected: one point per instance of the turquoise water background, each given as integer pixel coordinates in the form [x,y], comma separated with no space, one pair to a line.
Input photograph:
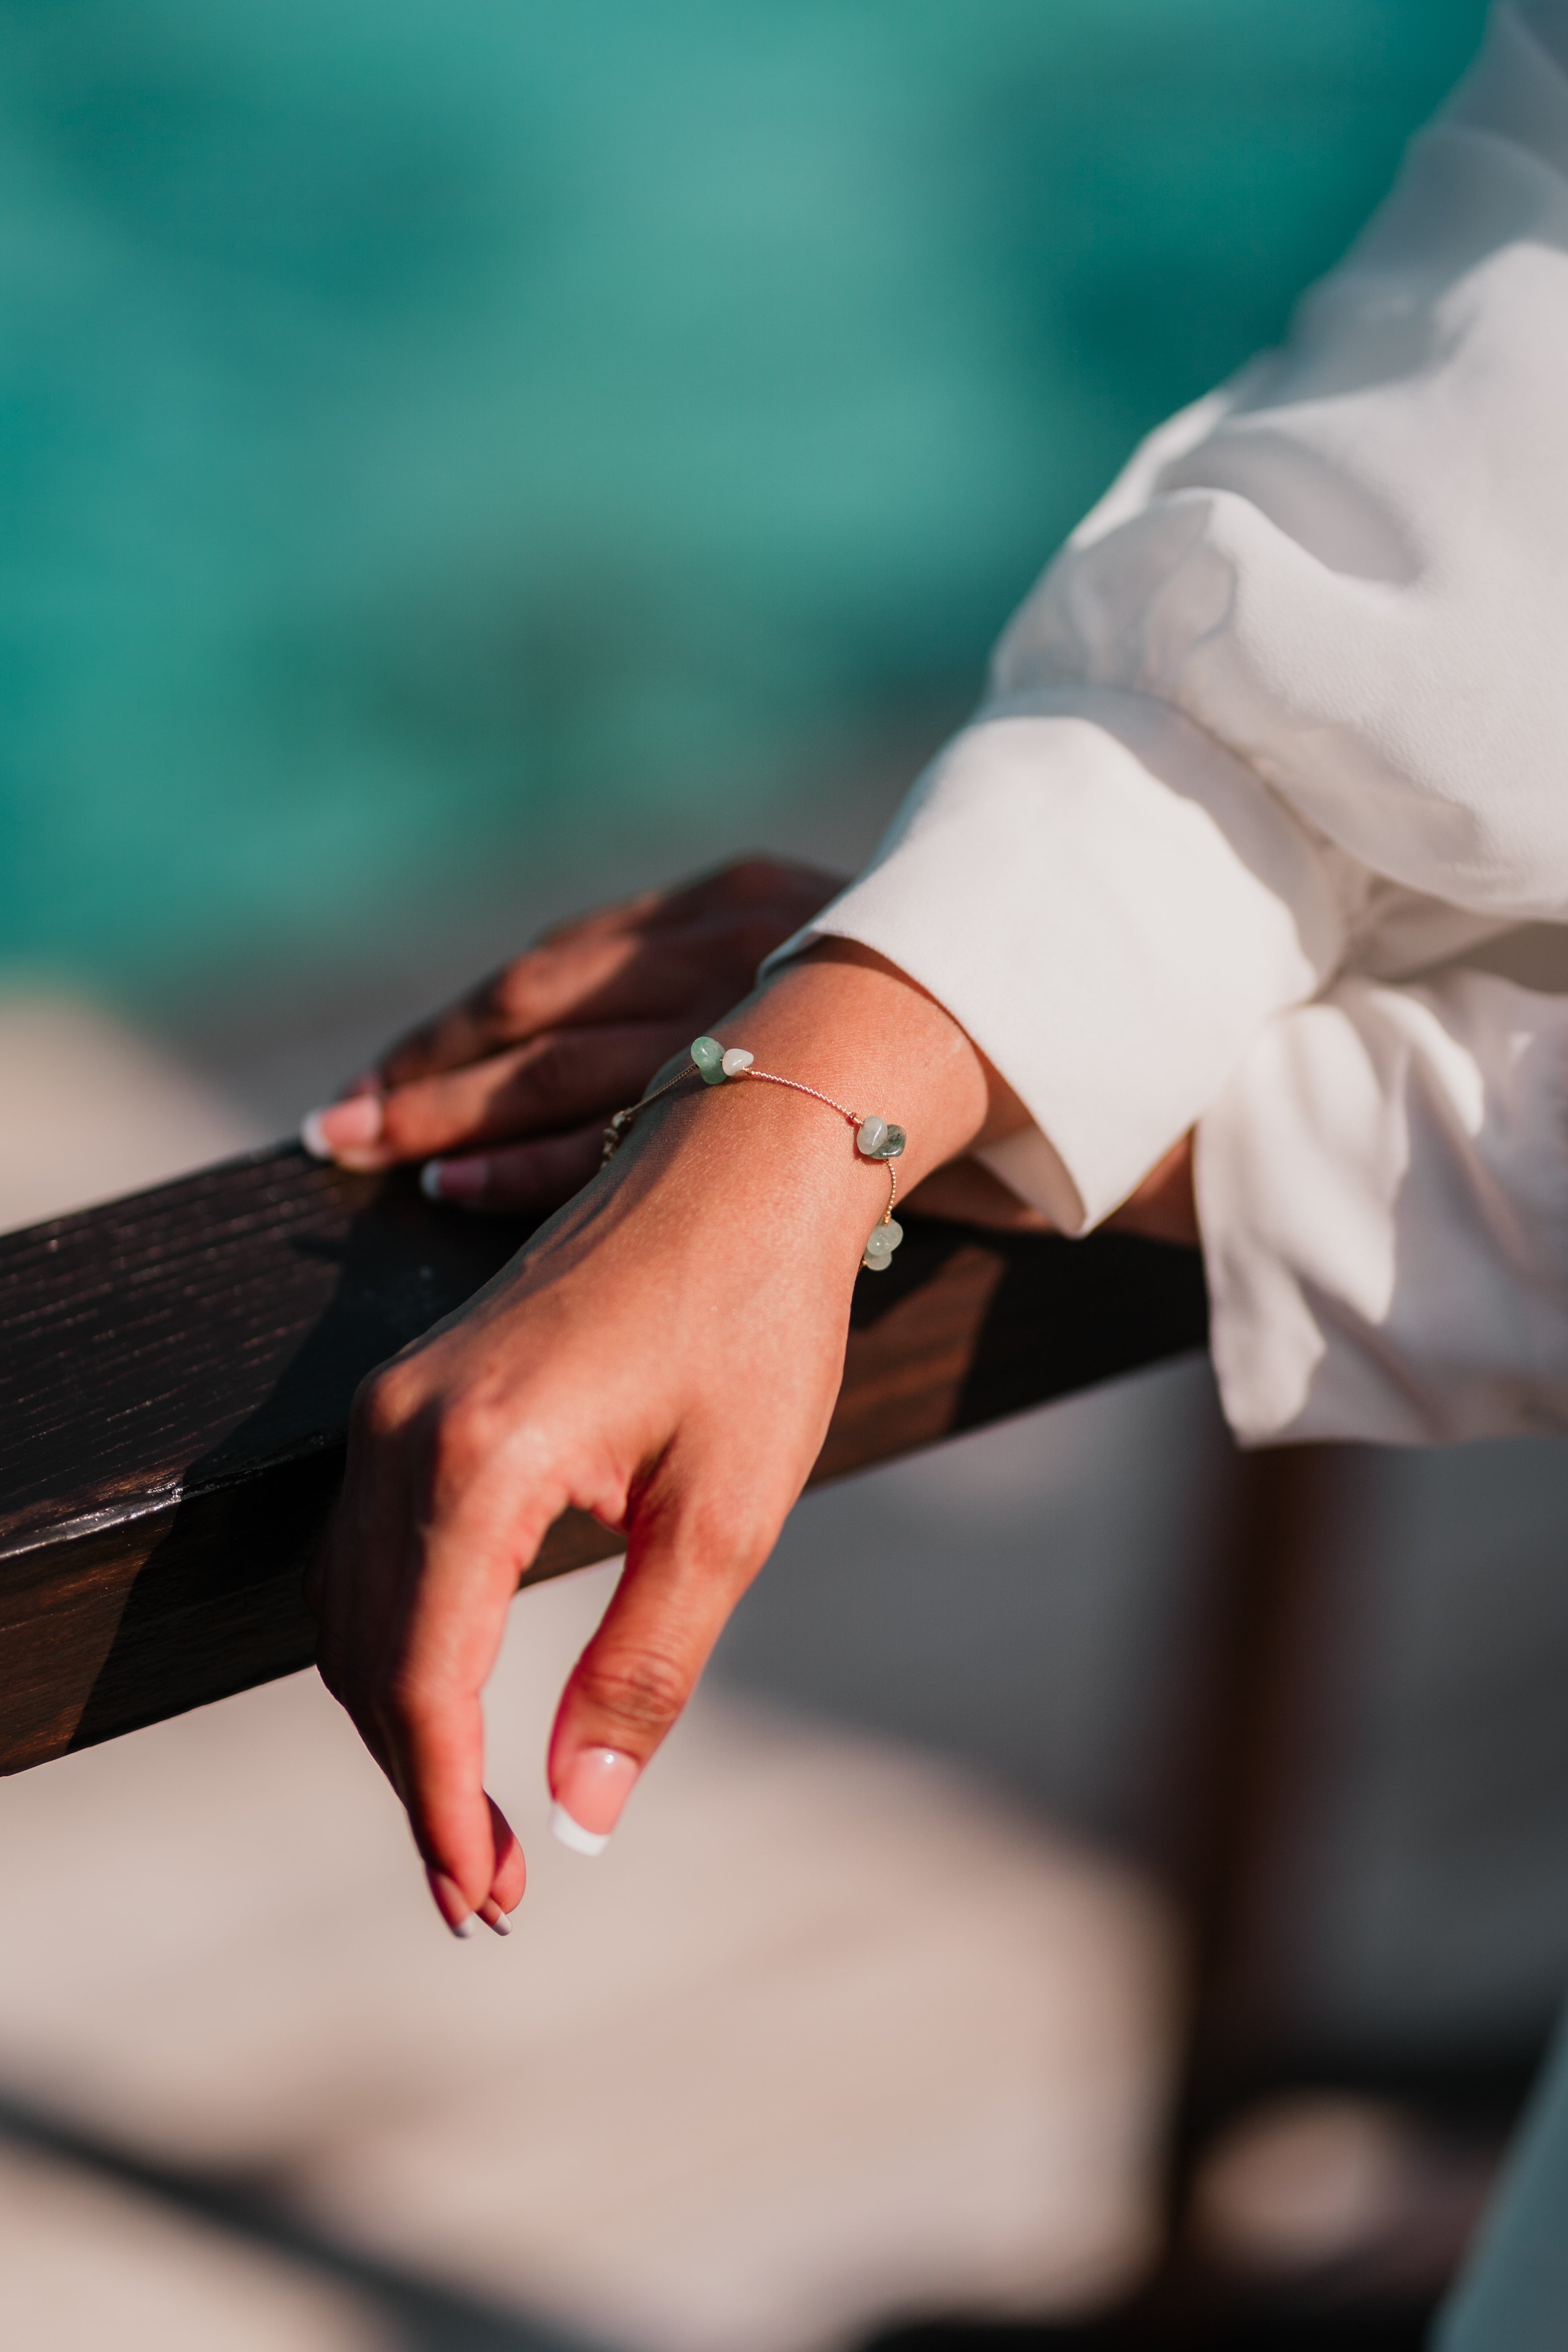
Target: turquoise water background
[432,433]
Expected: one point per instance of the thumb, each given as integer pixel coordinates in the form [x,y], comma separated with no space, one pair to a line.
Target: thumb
[631,1683]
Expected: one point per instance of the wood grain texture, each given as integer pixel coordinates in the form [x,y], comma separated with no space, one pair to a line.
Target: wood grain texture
[176,1370]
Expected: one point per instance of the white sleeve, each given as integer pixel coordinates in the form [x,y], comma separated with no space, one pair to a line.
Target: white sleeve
[1308,646]
[1349,568]
[1382,1193]
[1110,906]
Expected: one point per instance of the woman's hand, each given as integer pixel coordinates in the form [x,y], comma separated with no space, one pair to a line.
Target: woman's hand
[504,1096]
[664,1354]
[506,1093]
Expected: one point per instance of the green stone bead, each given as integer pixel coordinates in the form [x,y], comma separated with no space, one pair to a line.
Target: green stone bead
[881,1244]
[709,1056]
[877,1138]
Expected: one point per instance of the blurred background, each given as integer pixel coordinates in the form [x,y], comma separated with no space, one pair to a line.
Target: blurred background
[455,465]
[443,446]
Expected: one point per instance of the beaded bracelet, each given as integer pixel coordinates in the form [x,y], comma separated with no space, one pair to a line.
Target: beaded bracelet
[874,1138]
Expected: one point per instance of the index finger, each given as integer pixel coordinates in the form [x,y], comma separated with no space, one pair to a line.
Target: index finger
[537,991]
[692,969]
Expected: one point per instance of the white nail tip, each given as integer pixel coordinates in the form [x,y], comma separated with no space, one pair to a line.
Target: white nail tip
[464,1926]
[430,1179]
[574,1835]
[499,1926]
[312,1136]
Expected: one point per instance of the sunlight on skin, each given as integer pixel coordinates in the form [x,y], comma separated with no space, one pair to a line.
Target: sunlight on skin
[685,1311]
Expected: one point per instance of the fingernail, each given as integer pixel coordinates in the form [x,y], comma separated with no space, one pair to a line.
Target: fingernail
[451,1903]
[341,1127]
[593,1788]
[573,1833]
[462,1181]
[494,1917]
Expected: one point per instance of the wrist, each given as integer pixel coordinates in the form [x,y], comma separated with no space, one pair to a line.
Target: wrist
[791,1143]
[843,1022]
[756,1162]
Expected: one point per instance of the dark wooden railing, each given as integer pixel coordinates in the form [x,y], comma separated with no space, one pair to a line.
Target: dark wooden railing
[175,1375]
[176,1370]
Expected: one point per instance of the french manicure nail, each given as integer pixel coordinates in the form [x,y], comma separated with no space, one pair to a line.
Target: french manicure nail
[495,1918]
[573,1833]
[451,1903]
[593,1788]
[341,1127]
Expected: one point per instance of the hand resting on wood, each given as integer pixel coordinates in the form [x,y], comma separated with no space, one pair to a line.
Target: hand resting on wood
[504,1096]
[664,1353]
[505,1093]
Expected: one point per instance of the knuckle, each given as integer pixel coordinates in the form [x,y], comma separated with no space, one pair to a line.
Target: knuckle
[488,1439]
[728,1539]
[506,1002]
[477,1021]
[405,1120]
[645,1691]
[383,1405]
[463,1437]
[553,1075]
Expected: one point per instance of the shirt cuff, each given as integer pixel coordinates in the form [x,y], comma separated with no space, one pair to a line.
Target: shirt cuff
[1111,904]
[1382,1193]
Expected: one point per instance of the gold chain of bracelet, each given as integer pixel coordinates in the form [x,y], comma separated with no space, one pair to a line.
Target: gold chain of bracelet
[708,1054]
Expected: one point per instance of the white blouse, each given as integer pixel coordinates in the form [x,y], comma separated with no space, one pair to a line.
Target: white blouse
[1272,769]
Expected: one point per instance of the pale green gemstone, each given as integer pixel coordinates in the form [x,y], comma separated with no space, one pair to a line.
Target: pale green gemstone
[881,1244]
[880,1140]
[709,1056]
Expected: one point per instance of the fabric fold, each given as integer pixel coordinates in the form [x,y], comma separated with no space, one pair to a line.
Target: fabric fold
[1110,905]
[1383,1193]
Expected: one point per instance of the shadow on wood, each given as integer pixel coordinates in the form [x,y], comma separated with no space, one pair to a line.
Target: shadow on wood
[177,1371]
